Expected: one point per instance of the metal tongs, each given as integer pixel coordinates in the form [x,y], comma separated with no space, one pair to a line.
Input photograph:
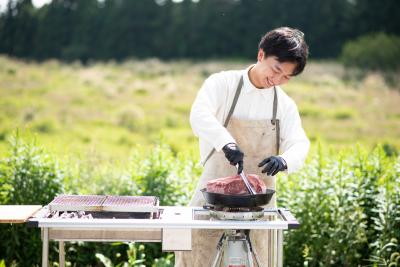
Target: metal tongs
[246,182]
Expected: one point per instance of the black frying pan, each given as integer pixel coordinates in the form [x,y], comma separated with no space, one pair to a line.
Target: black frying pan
[246,201]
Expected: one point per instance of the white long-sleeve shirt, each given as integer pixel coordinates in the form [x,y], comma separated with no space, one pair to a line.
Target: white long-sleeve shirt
[212,105]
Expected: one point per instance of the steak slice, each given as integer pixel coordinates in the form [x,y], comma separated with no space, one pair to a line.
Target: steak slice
[234,185]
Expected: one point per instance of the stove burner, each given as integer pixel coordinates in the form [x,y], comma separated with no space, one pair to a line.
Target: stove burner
[237,209]
[237,213]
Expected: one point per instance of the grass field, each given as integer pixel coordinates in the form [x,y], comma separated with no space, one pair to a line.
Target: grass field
[100,124]
[104,110]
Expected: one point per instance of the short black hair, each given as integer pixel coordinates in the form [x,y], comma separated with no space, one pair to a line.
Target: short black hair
[288,45]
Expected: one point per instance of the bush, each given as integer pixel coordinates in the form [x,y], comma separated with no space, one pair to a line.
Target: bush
[377,51]
[131,119]
[27,176]
[171,178]
[346,205]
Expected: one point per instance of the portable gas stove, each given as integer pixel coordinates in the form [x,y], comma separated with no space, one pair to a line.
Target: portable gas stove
[235,247]
[133,218]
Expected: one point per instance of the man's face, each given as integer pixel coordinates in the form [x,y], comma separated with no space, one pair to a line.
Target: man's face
[269,71]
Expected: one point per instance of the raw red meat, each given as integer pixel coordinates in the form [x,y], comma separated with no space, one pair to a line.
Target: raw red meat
[234,185]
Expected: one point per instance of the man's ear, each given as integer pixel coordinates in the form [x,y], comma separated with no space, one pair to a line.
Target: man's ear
[260,55]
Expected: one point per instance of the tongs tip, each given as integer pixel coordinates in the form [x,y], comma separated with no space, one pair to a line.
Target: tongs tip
[246,182]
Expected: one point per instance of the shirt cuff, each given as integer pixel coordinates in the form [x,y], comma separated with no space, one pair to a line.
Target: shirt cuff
[288,165]
[284,162]
[222,140]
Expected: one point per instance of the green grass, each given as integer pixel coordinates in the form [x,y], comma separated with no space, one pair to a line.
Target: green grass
[104,110]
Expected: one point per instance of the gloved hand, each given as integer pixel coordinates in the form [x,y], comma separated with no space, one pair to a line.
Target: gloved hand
[273,165]
[234,155]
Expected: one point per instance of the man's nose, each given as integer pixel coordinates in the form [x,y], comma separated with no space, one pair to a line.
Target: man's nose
[276,79]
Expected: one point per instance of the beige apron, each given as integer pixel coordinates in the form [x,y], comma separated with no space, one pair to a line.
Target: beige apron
[258,139]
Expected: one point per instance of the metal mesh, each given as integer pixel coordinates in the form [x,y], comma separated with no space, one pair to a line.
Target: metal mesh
[87,200]
[104,203]
[131,201]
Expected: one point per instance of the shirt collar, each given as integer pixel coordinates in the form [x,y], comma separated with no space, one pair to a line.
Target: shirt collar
[248,87]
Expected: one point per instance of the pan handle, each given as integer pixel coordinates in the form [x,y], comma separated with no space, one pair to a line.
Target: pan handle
[246,182]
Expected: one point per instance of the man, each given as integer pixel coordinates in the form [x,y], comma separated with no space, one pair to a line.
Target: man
[244,120]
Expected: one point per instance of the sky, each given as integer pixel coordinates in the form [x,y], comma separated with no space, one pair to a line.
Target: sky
[36,3]
[40,3]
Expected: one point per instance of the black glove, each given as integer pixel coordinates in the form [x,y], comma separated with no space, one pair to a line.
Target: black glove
[234,155]
[273,165]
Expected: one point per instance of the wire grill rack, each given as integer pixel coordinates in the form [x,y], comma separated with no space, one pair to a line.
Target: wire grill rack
[104,203]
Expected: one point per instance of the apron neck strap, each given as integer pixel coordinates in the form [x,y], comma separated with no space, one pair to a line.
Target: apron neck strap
[235,99]
[275,122]
[274,108]
[234,102]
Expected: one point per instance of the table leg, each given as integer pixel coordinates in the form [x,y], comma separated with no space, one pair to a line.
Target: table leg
[61,253]
[45,247]
[280,247]
[220,246]
[276,247]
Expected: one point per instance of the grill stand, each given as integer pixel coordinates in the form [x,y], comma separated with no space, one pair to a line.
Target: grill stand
[45,247]
[222,248]
[45,250]
[61,252]
[237,243]
[150,230]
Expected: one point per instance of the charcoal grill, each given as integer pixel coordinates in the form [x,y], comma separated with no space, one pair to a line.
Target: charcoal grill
[133,218]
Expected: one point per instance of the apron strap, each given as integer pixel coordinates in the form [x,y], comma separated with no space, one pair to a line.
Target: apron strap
[275,121]
[235,99]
